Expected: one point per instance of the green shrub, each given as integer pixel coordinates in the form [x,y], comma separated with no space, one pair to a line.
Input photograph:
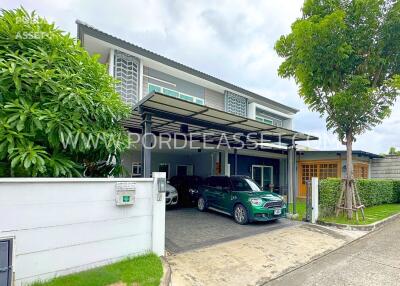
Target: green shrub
[328,195]
[59,112]
[396,187]
[372,192]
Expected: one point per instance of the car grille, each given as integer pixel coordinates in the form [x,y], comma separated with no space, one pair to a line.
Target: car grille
[273,204]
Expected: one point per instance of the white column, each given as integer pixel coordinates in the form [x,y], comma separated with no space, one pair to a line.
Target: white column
[290,175]
[314,200]
[158,228]
[111,63]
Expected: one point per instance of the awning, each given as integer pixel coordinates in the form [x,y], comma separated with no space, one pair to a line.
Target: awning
[171,115]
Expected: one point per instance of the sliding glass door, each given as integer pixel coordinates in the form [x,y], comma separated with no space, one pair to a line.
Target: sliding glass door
[263,175]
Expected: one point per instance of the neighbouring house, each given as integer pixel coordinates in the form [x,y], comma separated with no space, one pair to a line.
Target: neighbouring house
[167,96]
[331,164]
[386,167]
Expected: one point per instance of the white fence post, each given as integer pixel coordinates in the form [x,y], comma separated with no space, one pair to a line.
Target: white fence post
[314,199]
[158,228]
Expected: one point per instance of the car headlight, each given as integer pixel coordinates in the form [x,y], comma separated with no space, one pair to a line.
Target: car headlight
[256,202]
[193,191]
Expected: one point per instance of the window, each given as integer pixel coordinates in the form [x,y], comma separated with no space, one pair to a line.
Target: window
[6,263]
[244,185]
[136,169]
[174,93]
[269,120]
[265,120]
[360,171]
[222,183]
[171,92]
[153,87]
[328,171]
[262,175]
[164,167]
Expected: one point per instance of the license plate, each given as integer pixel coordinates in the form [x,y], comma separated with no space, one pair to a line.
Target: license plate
[277,211]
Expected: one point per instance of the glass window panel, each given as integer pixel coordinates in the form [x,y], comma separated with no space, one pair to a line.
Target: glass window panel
[153,87]
[170,92]
[186,97]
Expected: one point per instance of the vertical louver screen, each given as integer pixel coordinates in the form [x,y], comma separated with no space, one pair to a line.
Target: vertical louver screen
[235,104]
[126,71]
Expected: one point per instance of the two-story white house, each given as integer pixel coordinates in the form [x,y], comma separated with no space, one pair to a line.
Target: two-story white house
[169,97]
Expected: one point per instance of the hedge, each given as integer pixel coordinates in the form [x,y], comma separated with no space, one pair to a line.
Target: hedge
[372,192]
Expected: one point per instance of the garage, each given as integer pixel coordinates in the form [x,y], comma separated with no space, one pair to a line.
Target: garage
[260,151]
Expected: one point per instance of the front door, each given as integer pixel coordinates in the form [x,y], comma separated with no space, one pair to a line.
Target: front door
[263,175]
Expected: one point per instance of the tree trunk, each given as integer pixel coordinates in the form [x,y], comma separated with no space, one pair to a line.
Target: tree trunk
[349,175]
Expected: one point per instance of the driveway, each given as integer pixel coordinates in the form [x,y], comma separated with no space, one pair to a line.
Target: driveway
[255,259]
[372,260]
[188,229]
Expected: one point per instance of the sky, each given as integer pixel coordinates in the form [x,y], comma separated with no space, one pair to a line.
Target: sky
[230,39]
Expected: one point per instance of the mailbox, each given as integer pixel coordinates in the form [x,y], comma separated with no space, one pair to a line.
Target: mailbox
[125,193]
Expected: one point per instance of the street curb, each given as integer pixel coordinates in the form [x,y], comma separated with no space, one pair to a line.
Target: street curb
[166,279]
[366,227]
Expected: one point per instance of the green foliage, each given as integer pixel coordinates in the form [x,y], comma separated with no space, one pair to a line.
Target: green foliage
[372,192]
[372,214]
[345,55]
[58,108]
[143,270]
[393,151]
[328,195]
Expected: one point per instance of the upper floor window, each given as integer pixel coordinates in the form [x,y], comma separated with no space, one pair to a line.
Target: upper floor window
[269,120]
[235,104]
[170,92]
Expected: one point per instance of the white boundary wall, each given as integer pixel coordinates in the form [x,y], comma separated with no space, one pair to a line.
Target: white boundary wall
[60,226]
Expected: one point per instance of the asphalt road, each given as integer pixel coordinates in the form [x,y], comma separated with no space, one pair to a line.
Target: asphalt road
[372,260]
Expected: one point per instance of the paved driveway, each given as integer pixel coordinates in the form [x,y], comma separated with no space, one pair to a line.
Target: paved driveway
[372,260]
[188,229]
[254,260]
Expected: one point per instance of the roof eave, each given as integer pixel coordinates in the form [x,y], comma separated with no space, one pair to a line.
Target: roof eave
[84,28]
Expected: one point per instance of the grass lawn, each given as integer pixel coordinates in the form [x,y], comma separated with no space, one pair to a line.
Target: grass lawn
[372,214]
[300,208]
[144,270]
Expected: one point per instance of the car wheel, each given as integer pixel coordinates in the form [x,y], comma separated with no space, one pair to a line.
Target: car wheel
[201,204]
[240,214]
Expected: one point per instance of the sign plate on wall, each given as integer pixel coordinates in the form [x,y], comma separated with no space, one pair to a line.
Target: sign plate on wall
[125,193]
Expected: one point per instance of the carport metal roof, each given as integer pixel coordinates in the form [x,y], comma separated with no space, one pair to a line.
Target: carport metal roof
[171,115]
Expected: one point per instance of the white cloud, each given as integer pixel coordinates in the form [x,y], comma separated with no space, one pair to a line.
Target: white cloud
[230,39]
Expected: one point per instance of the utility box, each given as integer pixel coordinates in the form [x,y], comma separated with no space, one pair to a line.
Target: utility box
[125,193]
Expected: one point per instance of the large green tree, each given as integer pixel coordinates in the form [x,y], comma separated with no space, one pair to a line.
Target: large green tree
[59,113]
[345,55]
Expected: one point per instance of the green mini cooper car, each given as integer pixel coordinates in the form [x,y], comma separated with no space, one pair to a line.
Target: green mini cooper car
[240,197]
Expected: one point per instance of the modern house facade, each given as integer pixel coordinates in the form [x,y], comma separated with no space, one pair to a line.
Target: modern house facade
[179,99]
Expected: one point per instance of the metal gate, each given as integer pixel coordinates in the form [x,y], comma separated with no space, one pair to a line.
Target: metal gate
[5,262]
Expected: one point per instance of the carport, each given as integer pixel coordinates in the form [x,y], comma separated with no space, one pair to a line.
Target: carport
[162,115]
[158,115]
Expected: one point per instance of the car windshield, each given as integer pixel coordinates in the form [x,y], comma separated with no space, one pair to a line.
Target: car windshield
[245,185]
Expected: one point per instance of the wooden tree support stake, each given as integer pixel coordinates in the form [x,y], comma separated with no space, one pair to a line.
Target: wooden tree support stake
[341,204]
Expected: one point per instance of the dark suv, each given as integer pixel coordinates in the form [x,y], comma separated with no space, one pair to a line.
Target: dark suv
[187,187]
[240,197]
